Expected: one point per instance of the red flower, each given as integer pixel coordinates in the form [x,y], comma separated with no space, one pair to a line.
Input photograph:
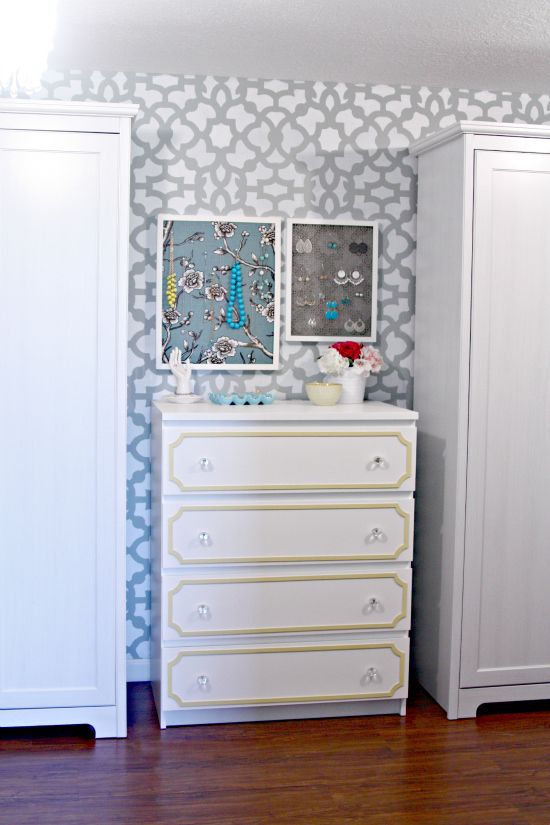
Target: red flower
[348,349]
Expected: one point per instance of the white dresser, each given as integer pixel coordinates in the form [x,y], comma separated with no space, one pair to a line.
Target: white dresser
[64,192]
[282,560]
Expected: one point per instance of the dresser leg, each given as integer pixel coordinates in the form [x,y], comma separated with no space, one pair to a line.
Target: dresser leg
[403,711]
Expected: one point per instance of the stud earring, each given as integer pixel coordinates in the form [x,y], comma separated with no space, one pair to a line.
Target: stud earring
[332,312]
[359,294]
[332,245]
[358,248]
[346,301]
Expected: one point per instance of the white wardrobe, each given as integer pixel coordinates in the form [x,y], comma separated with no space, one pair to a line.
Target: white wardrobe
[64,204]
[482,390]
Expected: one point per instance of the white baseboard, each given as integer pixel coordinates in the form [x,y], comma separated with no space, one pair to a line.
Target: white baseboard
[138,670]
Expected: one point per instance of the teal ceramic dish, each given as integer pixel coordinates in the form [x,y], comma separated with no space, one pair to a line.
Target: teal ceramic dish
[241,400]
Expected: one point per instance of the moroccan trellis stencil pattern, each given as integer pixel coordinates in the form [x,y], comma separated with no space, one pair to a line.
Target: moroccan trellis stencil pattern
[205,145]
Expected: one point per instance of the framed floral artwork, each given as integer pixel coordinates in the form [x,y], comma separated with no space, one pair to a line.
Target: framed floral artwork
[218,285]
[332,280]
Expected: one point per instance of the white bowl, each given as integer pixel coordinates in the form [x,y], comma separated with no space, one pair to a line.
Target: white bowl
[324,395]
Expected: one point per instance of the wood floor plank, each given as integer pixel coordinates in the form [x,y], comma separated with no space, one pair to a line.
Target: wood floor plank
[417,770]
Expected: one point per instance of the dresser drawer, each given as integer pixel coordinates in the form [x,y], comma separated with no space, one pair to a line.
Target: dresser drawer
[209,534]
[266,676]
[372,601]
[304,460]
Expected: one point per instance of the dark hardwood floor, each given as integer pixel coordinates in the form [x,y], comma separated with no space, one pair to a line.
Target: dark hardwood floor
[357,771]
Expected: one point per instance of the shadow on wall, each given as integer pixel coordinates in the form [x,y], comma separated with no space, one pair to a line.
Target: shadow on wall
[428,553]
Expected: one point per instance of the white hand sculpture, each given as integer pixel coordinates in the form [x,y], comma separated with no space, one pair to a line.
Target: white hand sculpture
[181,372]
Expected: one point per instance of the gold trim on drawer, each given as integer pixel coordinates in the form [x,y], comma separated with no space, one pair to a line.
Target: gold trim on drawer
[300,434]
[287,699]
[269,559]
[300,629]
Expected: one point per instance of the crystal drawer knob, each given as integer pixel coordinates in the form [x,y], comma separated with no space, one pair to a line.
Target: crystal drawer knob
[373,604]
[378,463]
[203,681]
[371,675]
[204,538]
[203,610]
[205,464]
[376,534]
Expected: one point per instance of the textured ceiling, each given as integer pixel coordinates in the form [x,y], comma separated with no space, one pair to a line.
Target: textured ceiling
[488,44]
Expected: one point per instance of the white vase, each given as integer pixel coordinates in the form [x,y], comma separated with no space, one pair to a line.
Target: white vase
[353,386]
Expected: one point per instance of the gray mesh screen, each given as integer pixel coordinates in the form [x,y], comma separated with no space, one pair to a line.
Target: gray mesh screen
[315,279]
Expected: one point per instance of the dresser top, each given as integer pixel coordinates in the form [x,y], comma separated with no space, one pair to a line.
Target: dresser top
[284,411]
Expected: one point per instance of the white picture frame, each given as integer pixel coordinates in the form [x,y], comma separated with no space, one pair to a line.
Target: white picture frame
[252,338]
[314,265]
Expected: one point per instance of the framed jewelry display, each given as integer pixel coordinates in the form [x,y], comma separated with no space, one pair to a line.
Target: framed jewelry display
[332,280]
[218,291]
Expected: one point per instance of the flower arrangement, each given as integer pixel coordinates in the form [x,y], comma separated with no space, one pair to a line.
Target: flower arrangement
[349,355]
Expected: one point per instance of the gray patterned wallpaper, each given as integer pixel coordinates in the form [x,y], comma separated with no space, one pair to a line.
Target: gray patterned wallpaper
[330,150]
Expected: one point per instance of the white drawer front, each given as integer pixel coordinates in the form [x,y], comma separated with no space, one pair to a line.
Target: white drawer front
[377,600]
[279,675]
[305,460]
[208,534]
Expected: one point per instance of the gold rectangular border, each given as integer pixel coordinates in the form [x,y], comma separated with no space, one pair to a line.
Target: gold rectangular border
[286,700]
[171,550]
[282,434]
[304,629]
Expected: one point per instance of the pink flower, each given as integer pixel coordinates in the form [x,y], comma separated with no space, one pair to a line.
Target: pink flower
[368,362]
[372,359]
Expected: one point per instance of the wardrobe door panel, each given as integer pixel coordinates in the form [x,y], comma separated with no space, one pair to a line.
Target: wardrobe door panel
[58,322]
[506,627]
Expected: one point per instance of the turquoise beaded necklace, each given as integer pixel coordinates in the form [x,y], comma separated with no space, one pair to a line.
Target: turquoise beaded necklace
[236,298]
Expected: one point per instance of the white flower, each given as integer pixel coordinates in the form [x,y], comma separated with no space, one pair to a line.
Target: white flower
[225,347]
[221,349]
[224,229]
[332,363]
[268,234]
[210,357]
[171,315]
[216,292]
[191,279]
[268,311]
